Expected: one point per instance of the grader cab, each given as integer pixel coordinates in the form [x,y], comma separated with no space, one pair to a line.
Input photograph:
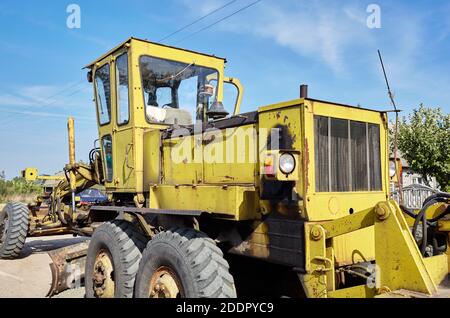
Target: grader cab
[303,184]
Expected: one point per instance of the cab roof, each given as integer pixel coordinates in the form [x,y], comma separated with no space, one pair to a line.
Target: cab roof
[90,65]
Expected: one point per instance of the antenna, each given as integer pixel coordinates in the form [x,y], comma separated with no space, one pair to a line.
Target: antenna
[391,97]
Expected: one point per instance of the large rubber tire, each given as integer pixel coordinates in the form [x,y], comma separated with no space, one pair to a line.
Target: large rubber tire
[13,229]
[124,244]
[195,260]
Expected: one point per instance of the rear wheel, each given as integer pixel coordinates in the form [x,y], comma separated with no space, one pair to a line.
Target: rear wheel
[13,229]
[183,263]
[113,260]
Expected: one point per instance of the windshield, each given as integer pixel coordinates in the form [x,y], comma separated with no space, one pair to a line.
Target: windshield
[175,92]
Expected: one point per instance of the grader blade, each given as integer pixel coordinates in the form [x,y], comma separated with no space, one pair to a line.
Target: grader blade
[67,267]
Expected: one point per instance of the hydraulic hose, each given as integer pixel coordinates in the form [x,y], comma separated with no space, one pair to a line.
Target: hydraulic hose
[436,196]
[407,211]
[421,216]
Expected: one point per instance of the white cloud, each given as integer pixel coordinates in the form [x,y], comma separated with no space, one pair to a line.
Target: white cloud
[14,100]
[45,96]
[315,29]
[336,33]
[43,102]
[47,114]
[203,7]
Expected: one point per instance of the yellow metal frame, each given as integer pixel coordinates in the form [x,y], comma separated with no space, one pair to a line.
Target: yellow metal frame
[240,88]
[32,174]
[338,226]
[400,266]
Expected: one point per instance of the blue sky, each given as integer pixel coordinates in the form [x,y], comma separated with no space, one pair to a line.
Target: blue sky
[272,47]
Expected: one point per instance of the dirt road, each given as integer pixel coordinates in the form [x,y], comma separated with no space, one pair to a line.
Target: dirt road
[30,275]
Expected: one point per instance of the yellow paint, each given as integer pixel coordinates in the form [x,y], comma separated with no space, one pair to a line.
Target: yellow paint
[32,174]
[234,202]
[437,266]
[353,292]
[319,203]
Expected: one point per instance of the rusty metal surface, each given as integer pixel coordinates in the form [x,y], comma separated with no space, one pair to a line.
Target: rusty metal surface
[278,240]
[67,267]
[147,211]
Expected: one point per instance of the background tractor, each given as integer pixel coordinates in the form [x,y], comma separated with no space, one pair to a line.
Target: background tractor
[58,210]
[199,193]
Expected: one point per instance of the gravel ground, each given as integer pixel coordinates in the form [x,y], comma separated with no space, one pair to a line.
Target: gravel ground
[71,293]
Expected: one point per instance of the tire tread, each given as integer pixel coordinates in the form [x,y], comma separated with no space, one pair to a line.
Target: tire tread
[210,269]
[18,230]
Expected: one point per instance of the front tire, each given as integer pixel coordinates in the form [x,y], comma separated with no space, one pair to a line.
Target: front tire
[113,260]
[183,263]
[13,229]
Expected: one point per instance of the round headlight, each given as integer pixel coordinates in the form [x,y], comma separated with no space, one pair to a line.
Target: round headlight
[392,169]
[287,163]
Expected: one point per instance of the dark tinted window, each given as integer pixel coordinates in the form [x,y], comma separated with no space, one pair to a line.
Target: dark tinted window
[374,157]
[108,157]
[359,156]
[339,163]
[321,153]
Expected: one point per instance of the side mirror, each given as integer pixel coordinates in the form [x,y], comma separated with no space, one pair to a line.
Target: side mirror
[89,76]
[217,111]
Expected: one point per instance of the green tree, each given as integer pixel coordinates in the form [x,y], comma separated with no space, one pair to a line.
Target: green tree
[424,140]
[17,187]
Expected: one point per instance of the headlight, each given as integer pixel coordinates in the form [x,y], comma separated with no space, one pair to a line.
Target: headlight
[392,169]
[287,163]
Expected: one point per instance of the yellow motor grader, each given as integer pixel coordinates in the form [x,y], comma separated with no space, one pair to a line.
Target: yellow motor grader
[194,184]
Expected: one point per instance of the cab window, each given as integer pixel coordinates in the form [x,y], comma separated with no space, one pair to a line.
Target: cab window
[103,89]
[123,109]
[107,157]
[175,92]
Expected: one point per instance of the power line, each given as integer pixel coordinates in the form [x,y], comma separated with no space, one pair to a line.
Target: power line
[196,21]
[69,95]
[39,115]
[47,101]
[45,114]
[63,90]
[218,21]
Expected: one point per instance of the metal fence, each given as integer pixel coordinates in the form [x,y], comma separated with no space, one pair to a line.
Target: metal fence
[414,195]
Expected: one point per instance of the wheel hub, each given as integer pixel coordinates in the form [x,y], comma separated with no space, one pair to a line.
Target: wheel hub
[164,283]
[103,276]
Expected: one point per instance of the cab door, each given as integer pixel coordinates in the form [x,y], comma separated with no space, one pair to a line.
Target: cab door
[103,98]
[123,132]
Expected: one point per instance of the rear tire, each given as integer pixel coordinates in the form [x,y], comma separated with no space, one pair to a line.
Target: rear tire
[183,263]
[113,260]
[13,229]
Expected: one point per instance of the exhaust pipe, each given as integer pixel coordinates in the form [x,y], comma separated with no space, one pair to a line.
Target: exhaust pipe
[303,91]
